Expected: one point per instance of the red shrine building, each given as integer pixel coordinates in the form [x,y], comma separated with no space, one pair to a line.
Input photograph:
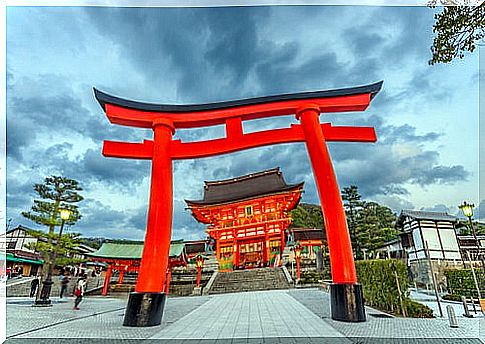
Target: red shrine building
[247,217]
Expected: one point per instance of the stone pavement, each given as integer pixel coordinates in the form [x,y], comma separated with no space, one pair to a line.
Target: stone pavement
[279,316]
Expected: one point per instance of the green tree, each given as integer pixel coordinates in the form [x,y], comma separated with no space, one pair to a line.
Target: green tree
[374,227]
[457,30]
[55,193]
[68,243]
[352,204]
[307,216]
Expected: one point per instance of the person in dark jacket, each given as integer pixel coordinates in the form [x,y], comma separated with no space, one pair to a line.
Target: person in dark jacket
[33,286]
[64,283]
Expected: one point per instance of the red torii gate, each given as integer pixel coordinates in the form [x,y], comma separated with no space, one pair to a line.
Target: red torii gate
[145,305]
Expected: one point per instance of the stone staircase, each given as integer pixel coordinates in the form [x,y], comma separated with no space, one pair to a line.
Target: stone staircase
[249,280]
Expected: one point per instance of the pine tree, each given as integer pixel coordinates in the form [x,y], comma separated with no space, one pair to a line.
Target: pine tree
[352,204]
[55,193]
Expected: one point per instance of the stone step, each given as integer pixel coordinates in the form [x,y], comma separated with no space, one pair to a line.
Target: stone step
[249,280]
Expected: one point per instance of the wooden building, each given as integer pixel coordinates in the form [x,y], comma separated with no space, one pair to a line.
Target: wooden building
[429,236]
[247,216]
[22,259]
[425,233]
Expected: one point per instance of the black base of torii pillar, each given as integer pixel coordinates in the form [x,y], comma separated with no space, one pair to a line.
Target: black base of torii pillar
[144,309]
[347,302]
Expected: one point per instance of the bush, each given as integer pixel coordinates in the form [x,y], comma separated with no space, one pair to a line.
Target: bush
[378,279]
[379,283]
[311,277]
[460,283]
[417,310]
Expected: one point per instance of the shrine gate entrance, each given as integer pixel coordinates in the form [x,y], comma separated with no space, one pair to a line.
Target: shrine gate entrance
[146,304]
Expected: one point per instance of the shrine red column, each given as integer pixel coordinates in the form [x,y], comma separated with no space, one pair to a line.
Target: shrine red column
[121,276]
[235,250]
[169,277]
[346,294]
[145,306]
[107,277]
[266,247]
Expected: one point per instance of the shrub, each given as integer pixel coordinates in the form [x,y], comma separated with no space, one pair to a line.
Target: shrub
[460,283]
[417,310]
[379,283]
[380,287]
[311,277]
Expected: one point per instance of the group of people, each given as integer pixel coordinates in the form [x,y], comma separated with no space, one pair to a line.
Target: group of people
[15,271]
[78,292]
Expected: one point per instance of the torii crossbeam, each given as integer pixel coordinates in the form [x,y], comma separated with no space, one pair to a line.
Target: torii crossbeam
[145,306]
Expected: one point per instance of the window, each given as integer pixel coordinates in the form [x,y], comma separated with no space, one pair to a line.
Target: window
[249,211]
[11,245]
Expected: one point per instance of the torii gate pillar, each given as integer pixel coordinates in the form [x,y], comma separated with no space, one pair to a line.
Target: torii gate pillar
[146,304]
[347,301]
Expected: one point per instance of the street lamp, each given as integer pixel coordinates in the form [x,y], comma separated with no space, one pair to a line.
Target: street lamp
[467,210]
[298,248]
[44,300]
[199,263]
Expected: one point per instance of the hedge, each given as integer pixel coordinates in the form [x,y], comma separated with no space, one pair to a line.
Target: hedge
[378,279]
[460,283]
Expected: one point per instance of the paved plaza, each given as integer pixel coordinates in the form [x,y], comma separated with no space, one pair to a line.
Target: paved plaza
[283,316]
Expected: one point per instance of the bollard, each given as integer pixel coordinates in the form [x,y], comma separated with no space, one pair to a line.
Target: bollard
[451,316]
[465,306]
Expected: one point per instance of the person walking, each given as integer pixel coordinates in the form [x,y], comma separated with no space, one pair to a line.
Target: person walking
[33,285]
[79,291]
[64,283]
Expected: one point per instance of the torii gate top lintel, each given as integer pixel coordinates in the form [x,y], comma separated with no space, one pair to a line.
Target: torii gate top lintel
[139,114]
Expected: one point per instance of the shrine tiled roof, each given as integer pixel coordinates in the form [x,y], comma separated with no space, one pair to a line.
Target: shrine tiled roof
[425,215]
[131,250]
[249,186]
[302,234]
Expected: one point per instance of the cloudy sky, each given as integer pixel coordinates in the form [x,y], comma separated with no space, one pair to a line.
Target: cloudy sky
[426,117]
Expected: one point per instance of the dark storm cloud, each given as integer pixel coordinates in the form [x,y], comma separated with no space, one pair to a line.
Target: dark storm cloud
[125,172]
[61,111]
[205,50]
[101,220]
[19,197]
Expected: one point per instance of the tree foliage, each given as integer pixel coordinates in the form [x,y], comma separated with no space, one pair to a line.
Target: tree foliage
[67,246]
[352,204]
[457,29]
[370,224]
[375,226]
[55,193]
[307,216]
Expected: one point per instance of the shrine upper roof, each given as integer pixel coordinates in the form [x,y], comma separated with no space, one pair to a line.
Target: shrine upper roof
[104,98]
[248,186]
[424,215]
[126,251]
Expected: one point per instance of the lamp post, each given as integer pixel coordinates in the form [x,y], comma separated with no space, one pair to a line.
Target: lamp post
[45,293]
[199,263]
[298,248]
[467,210]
